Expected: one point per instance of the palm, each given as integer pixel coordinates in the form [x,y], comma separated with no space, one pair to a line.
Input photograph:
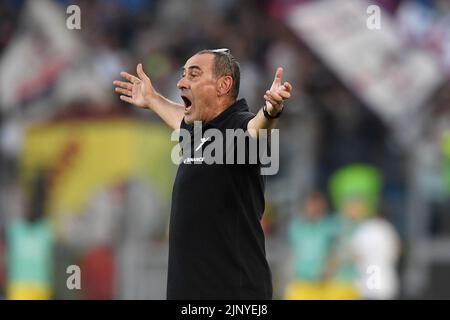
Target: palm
[138,93]
[138,90]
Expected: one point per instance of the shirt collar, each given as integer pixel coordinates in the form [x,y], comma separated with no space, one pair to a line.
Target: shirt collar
[238,106]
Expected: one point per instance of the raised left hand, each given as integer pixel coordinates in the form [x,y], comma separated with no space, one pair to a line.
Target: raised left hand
[277,94]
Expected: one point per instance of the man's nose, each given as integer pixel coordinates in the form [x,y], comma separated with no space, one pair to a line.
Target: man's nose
[182,84]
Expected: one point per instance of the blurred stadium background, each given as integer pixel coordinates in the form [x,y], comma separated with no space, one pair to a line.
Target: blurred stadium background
[364,176]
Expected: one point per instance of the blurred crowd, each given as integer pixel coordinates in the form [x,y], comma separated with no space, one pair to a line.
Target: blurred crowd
[340,207]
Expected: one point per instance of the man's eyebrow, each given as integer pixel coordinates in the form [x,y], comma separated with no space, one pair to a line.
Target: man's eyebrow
[191,68]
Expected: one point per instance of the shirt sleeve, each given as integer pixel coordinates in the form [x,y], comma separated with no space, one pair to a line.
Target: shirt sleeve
[241,120]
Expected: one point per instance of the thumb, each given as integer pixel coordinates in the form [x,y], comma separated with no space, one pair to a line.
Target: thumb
[278,76]
[141,74]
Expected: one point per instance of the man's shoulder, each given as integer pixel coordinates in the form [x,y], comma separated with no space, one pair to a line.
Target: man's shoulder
[239,119]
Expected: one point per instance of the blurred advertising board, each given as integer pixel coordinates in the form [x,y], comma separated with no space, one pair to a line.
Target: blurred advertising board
[85,156]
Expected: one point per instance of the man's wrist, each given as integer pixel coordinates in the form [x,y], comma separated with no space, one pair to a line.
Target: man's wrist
[152,101]
[268,114]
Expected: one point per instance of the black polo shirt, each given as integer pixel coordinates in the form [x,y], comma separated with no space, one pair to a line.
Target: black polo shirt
[216,243]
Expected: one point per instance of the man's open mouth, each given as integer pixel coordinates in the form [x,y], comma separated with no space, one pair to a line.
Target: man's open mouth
[187,103]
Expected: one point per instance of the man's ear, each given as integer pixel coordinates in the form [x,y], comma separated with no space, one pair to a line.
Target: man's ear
[224,85]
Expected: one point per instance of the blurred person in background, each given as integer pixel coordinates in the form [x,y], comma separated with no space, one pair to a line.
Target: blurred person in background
[29,245]
[364,259]
[93,235]
[376,248]
[311,235]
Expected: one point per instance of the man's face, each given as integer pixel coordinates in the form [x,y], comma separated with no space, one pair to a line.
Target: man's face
[315,207]
[198,87]
[355,209]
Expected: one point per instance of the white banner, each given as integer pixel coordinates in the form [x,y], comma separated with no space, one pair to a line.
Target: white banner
[46,65]
[390,77]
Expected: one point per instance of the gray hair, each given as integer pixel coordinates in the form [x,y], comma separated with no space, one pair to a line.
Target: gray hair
[226,65]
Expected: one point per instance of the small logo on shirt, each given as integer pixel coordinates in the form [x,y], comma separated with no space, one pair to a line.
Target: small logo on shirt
[193,160]
[202,142]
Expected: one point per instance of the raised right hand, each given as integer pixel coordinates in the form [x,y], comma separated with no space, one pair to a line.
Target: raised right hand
[138,90]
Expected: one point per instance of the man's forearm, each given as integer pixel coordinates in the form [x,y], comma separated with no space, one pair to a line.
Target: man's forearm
[172,113]
[260,122]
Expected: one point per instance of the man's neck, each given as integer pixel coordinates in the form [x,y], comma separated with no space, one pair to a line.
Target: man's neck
[222,105]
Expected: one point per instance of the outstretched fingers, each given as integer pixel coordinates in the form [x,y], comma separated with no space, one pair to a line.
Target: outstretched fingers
[126,99]
[123,85]
[141,74]
[129,77]
[124,91]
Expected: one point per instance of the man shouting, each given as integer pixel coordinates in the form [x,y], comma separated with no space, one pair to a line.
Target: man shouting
[216,243]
